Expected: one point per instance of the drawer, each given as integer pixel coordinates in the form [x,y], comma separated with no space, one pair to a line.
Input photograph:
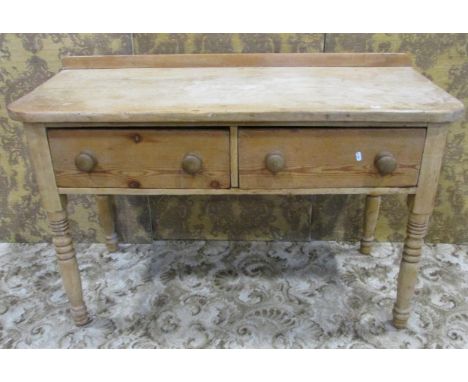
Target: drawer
[141,158]
[324,157]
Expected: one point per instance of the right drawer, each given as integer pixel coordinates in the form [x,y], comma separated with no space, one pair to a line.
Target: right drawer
[282,158]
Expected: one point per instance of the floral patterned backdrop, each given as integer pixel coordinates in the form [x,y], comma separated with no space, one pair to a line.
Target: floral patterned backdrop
[27,60]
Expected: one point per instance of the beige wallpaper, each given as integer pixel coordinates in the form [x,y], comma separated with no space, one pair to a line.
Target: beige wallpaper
[26,60]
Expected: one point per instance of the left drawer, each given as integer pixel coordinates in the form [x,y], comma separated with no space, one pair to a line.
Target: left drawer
[141,158]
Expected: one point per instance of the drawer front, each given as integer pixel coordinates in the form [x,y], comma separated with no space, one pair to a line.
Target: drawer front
[141,158]
[318,157]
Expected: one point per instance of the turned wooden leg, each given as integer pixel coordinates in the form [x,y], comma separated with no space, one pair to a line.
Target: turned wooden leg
[68,265]
[106,218]
[416,230]
[55,205]
[370,221]
[421,206]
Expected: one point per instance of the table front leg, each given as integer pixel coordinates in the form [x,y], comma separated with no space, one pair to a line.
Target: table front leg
[55,205]
[107,220]
[420,206]
[407,278]
[68,264]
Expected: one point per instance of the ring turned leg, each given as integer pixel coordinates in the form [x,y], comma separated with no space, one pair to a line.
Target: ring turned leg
[370,222]
[420,205]
[68,265]
[106,218]
[55,205]
[417,227]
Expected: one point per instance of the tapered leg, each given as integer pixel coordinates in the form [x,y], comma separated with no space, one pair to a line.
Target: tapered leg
[420,206]
[416,230]
[370,221]
[106,218]
[55,205]
[68,265]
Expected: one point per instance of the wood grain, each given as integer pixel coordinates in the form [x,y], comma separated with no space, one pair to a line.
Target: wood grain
[236,60]
[327,157]
[41,160]
[129,124]
[141,158]
[424,200]
[238,191]
[234,154]
[238,95]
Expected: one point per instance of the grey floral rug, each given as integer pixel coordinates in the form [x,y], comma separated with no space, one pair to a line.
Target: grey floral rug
[199,294]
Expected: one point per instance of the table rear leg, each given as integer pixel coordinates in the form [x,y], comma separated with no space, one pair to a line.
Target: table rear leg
[107,220]
[371,215]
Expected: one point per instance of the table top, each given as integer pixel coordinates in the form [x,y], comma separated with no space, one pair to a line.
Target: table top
[238,95]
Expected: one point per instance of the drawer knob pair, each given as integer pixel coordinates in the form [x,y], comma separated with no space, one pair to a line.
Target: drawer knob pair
[385,163]
[85,161]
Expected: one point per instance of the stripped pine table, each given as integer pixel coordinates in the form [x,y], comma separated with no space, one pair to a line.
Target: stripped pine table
[238,124]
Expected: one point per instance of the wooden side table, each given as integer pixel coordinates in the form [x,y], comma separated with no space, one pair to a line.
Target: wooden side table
[238,124]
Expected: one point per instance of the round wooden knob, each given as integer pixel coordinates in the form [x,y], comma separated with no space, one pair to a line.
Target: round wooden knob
[274,162]
[85,161]
[385,163]
[192,164]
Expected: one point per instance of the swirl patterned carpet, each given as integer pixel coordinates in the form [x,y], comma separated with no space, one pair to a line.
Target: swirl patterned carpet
[190,294]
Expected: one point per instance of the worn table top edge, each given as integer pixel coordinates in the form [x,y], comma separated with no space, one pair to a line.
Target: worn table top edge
[438,117]
[447,112]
